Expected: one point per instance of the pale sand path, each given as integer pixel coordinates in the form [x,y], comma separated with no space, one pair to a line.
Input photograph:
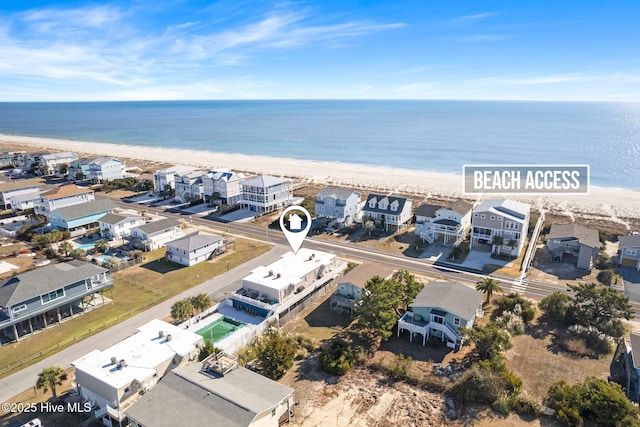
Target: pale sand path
[605,203]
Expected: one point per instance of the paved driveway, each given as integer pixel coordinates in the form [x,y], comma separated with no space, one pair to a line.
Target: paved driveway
[476,260]
[437,252]
[631,278]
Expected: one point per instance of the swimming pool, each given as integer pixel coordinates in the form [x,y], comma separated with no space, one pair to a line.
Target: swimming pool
[86,246]
[102,259]
[219,329]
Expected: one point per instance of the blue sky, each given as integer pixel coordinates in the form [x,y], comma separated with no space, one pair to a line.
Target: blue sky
[323,49]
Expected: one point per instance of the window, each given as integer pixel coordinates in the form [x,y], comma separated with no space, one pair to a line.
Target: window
[500,218]
[52,296]
[273,412]
[493,217]
[89,284]
[19,308]
[481,216]
[456,321]
[437,319]
[630,251]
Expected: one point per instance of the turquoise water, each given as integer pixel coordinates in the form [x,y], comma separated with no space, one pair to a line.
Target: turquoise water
[86,246]
[220,329]
[430,135]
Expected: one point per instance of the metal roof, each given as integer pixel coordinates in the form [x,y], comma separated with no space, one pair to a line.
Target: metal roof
[453,297]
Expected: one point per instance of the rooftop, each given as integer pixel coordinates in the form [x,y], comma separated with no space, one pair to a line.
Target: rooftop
[36,282]
[389,200]
[194,241]
[361,273]
[586,236]
[155,226]
[112,218]
[337,193]
[265,181]
[428,210]
[629,241]
[84,209]
[234,399]
[289,269]
[453,297]
[516,211]
[19,184]
[150,346]
[65,191]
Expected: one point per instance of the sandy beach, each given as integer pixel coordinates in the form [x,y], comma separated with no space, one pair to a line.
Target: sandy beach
[615,205]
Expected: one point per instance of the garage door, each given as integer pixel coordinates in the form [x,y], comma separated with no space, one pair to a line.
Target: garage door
[628,262]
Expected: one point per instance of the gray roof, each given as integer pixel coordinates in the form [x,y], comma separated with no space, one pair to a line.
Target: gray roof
[230,400]
[155,226]
[63,155]
[194,241]
[453,297]
[460,206]
[517,211]
[19,184]
[361,273]
[632,241]
[85,209]
[34,283]
[338,193]
[586,236]
[390,200]
[104,160]
[428,210]
[113,219]
[634,340]
[265,181]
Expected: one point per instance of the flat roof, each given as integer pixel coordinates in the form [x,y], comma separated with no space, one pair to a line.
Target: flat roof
[291,268]
[142,352]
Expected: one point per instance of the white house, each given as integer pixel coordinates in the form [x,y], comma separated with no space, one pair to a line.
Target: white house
[194,248]
[166,178]
[118,226]
[448,224]
[61,197]
[22,187]
[352,285]
[103,169]
[114,378]
[227,185]
[54,161]
[629,251]
[153,235]
[390,212]
[266,193]
[189,186]
[501,220]
[343,206]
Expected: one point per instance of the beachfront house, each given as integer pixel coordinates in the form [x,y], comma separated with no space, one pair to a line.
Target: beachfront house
[581,244]
[194,248]
[343,207]
[114,378]
[118,226]
[444,224]
[153,235]
[629,251]
[39,298]
[79,219]
[222,187]
[439,310]
[23,187]
[352,285]
[266,193]
[388,212]
[631,365]
[217,392]
[500,225]
[51,164]
[164,180]
[189,186]
[99,169]
[62,197]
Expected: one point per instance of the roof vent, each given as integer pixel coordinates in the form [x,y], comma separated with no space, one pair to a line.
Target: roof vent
[122,364]
[169,337]
[114,360]
[160,334]
[270,273]
[278,275]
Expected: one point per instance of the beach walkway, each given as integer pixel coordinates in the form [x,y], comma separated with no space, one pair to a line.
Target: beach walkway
[25,379]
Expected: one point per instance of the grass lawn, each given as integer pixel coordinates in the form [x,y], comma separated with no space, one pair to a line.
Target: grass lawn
[133,287]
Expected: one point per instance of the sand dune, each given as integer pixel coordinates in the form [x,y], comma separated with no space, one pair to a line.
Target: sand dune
[606,203]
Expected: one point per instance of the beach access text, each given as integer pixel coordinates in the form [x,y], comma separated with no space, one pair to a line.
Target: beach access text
[525,179]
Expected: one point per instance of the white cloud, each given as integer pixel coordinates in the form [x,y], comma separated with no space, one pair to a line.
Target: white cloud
[470,19]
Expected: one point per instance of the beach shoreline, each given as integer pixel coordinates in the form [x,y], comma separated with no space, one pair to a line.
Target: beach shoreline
[614,204]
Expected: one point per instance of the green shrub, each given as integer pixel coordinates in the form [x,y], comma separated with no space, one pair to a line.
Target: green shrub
[511,302]
[526,406]
[338,358]
[555,307]
[606,276]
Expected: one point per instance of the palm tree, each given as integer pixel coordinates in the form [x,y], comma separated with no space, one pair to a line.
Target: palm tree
[101,246]
[51,377]
[65,248]
[488,286]
[201,302]
[182,310]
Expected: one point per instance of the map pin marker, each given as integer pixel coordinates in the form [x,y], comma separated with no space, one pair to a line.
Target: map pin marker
[293,230]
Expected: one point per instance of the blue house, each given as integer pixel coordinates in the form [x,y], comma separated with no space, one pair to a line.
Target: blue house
[80,218]
[39,298]
[439,310]
[343,206]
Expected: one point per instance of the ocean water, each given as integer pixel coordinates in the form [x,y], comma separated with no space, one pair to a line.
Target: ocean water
[437,136]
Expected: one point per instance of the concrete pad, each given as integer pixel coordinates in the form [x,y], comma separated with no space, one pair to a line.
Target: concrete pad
[477,260]
[240,215]
[631,278]
[6,267]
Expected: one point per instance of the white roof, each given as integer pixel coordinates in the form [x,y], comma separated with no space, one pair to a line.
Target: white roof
[291,267]
[177,169]
[142,352]
[515,211]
